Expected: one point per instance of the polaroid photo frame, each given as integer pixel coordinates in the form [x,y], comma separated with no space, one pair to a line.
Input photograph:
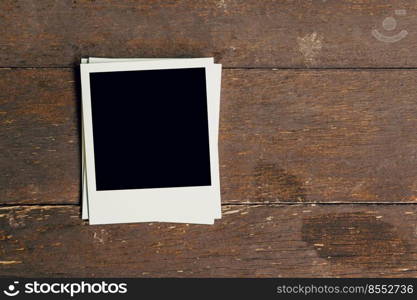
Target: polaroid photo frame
[84,199]
[85,214]
[197,204]
[84,189]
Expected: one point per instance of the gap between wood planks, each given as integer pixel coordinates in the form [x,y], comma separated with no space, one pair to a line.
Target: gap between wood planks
[274,68]
[283,204]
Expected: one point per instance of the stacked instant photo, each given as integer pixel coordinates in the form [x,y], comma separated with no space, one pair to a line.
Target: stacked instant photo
[149,140]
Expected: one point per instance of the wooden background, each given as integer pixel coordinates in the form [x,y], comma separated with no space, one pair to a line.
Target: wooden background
[318,144]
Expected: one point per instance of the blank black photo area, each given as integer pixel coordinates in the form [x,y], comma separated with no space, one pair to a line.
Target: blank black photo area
[150,129]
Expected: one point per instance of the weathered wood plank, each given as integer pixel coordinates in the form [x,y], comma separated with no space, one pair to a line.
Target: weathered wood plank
[248,33]
[39,139]
[333,136]
[285,136]
[250,241]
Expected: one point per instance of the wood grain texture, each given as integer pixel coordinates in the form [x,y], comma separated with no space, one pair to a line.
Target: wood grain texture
[250,241]
[247,33]
[285,136]
[39,137]
[318,136]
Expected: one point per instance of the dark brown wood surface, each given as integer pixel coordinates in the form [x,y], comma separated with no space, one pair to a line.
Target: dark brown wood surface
[250,33]
[250,241]
[314,109]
